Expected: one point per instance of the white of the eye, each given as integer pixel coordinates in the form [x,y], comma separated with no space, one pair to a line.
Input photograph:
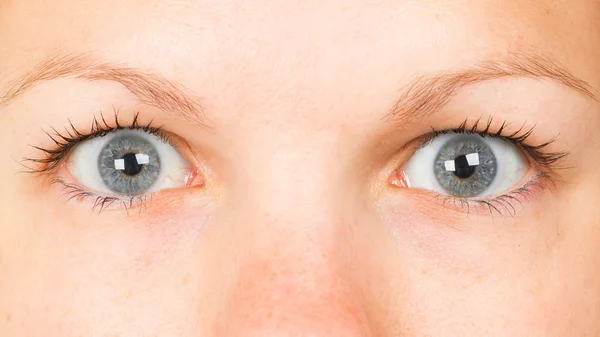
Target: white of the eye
[83,163]
[511,165]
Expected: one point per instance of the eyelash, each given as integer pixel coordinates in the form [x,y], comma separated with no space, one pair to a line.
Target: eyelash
[65,142]
[547,163]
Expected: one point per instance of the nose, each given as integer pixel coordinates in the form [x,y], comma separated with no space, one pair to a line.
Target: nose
[288,296]
[295,274]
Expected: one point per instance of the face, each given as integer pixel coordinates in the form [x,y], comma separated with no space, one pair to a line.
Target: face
[366,168]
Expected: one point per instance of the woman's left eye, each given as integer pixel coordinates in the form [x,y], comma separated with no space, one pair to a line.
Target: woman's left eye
[128,163]
[465,166]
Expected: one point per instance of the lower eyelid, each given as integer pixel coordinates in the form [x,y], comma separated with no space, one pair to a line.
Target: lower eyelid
[505,205]
[72,192]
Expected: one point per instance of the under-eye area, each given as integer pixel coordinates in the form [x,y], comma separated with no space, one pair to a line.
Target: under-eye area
[478,169]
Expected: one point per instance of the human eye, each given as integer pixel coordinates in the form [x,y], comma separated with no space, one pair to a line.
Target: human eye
[482,170]
[113,164]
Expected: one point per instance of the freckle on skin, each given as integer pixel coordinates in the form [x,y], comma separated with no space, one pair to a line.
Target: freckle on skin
[8,318]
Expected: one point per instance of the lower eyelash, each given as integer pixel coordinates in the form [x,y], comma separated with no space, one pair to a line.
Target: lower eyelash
[503,205]
[101,203]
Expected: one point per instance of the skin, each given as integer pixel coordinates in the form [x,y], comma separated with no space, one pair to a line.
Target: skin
[291,227]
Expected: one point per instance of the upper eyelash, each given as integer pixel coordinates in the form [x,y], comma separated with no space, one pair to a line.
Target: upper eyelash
[541,158]
[71,137]
[66,141]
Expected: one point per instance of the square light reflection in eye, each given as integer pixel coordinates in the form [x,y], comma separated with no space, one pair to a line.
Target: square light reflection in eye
[143,159]
[472,160]
[120,164]
[450,166]
[140,158]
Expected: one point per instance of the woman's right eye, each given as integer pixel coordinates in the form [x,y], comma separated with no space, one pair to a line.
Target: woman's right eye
[128,163]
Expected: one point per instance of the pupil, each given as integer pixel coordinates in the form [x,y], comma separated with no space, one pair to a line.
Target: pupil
[131,165]
[462,168]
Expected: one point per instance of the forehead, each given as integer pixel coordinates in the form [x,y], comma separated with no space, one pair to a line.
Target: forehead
[254,52]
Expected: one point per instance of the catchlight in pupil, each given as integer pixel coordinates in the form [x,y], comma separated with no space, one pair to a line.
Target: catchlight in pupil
[463,166]
[131,163]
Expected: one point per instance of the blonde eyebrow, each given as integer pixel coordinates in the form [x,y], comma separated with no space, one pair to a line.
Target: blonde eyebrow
[422,97]
[149,88]
[427,94]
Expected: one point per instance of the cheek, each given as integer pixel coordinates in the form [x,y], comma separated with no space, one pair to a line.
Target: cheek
[171,224]
[66,243]
[435,241]
[70,268]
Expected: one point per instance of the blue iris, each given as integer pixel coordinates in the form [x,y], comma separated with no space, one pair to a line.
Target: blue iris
[129,165]
[465,166]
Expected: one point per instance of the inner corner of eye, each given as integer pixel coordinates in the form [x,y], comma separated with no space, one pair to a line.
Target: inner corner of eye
[186,176]
[399,179]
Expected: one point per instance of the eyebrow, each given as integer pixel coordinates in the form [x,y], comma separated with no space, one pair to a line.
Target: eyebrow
[149,88]
[427,94]
[421,97]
